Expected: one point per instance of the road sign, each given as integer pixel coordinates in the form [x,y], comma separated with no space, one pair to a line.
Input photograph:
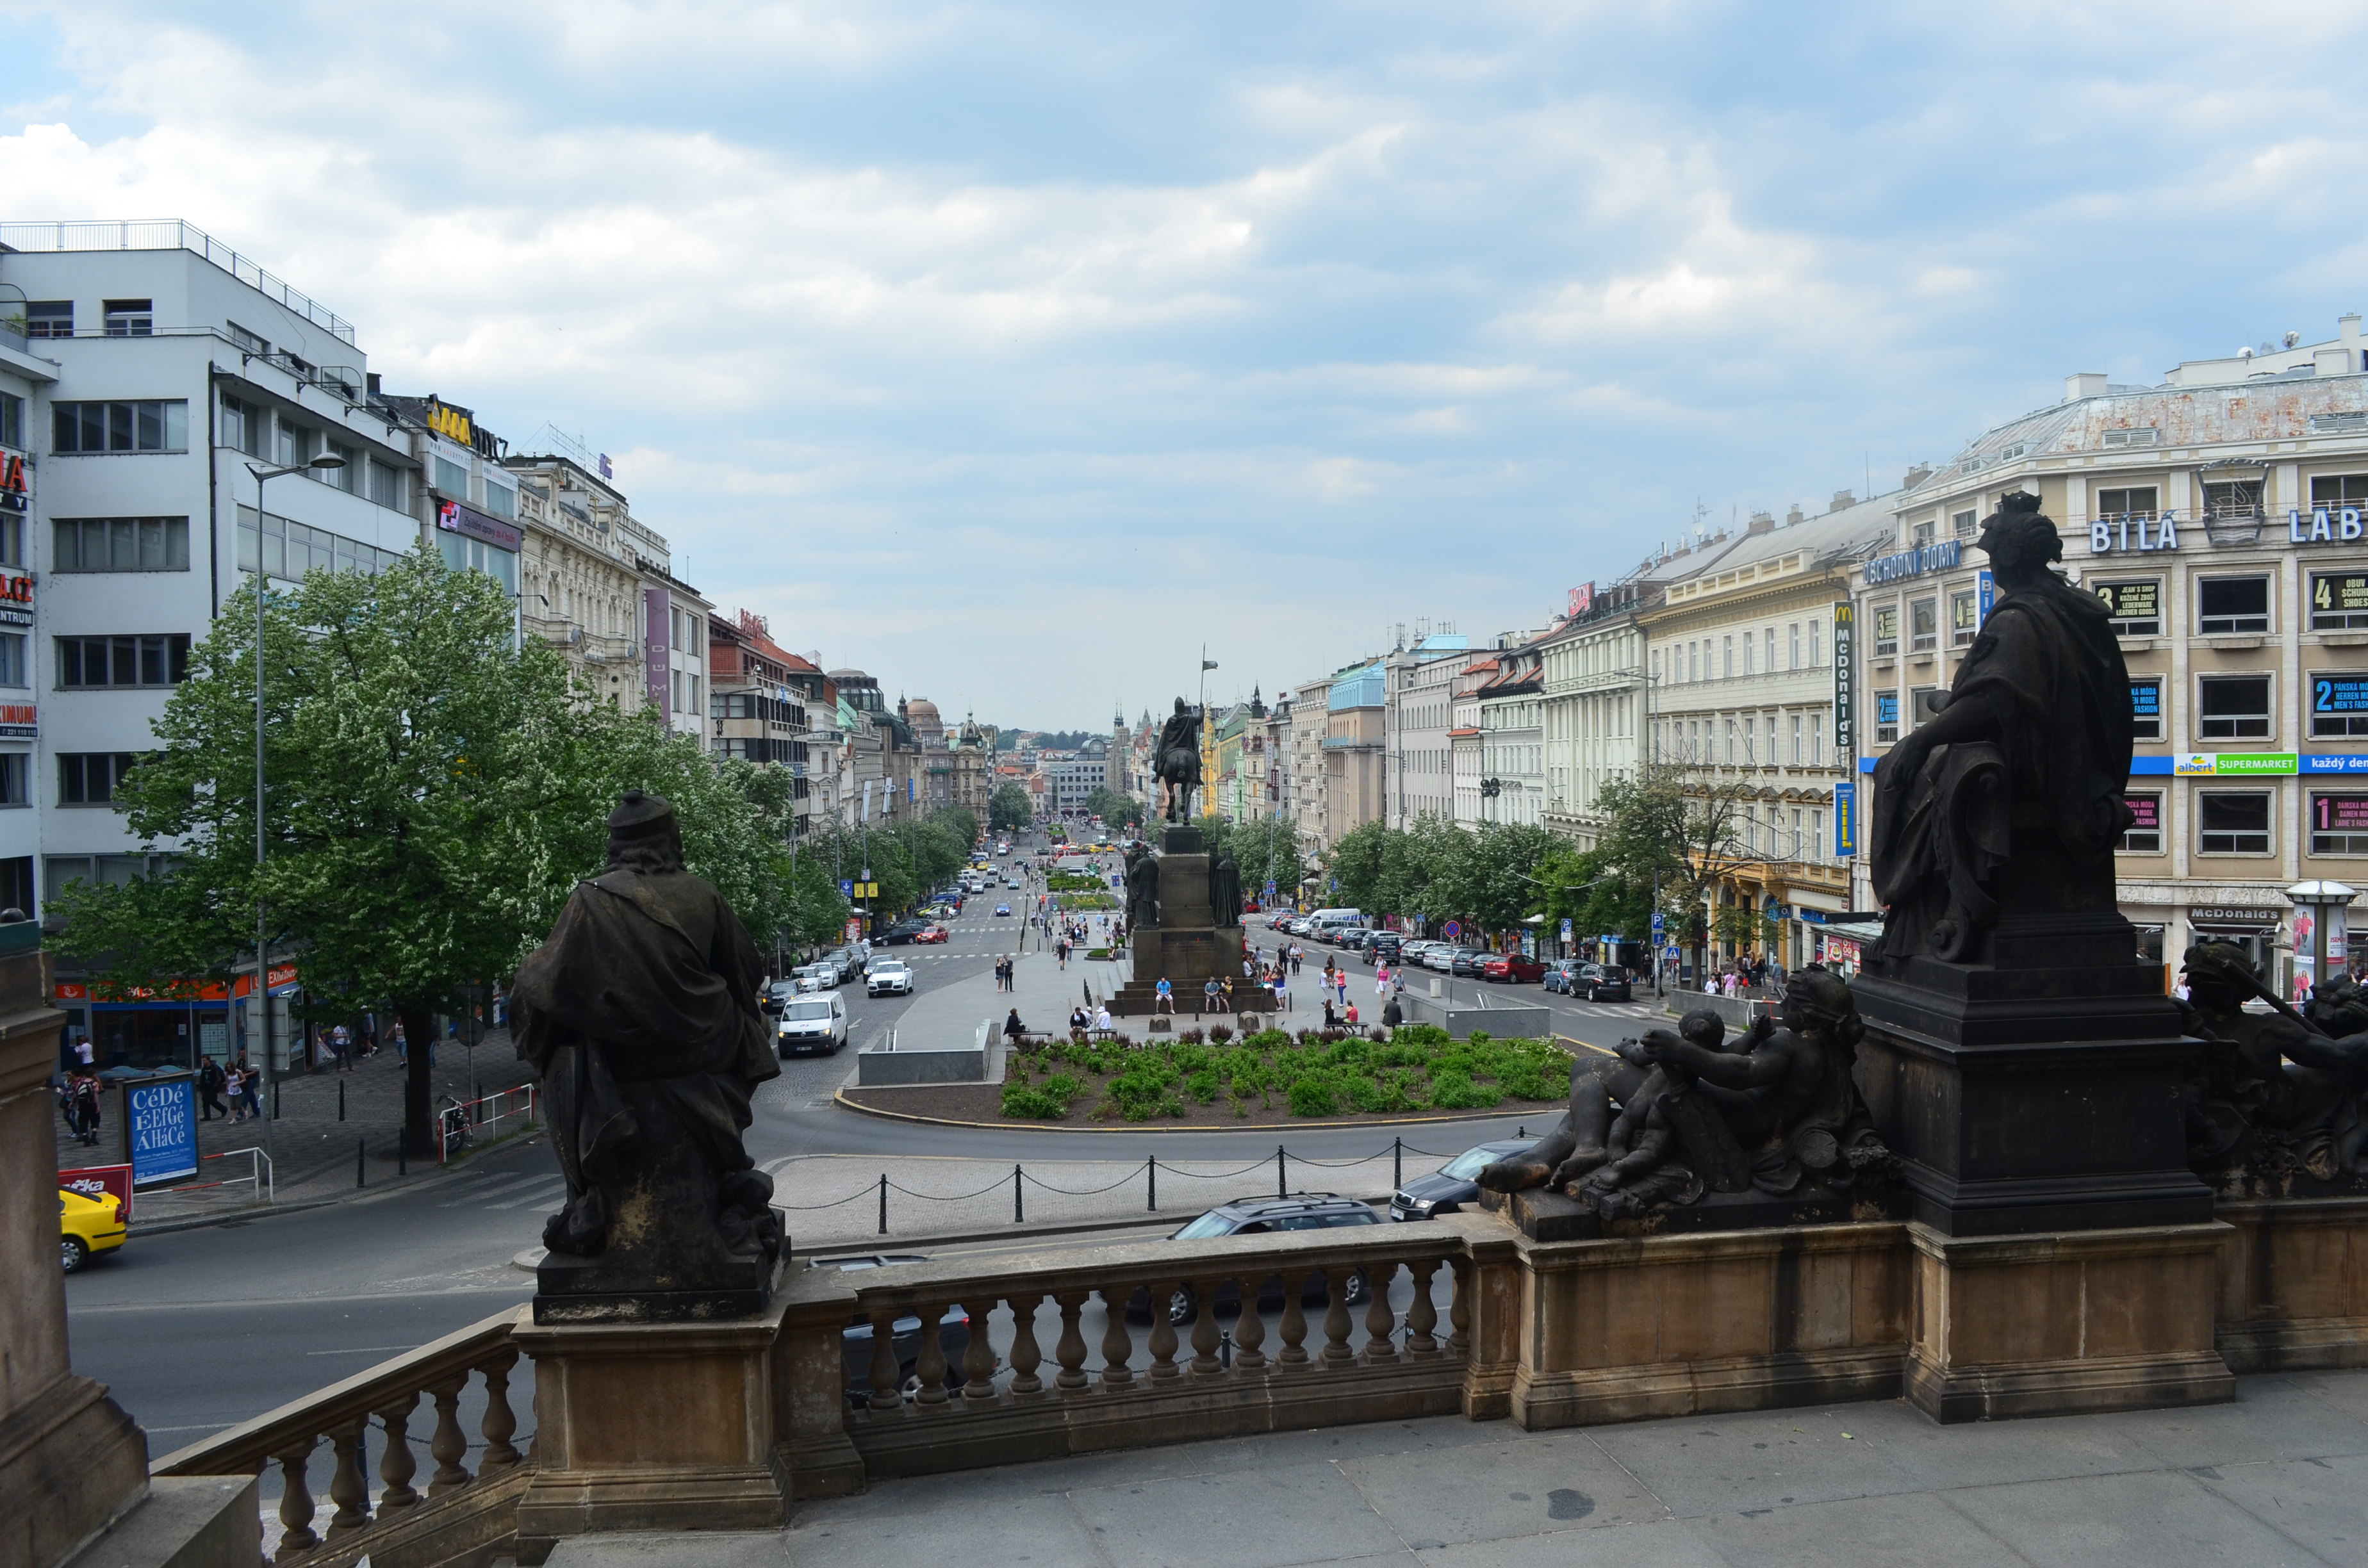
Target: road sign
[1670,951]
[847,887]
[1453,929]
[1566,930]
[1269,890]
[1657,925]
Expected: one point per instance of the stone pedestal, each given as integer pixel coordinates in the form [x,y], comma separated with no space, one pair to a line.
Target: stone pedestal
[1187,948]
[71,1460]
[2054,1323]
[653,1426]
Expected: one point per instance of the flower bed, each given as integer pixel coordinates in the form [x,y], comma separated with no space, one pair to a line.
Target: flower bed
[1316,1075]
[1085,901]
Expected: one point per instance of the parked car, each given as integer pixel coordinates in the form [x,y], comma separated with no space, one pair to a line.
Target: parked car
[855,1339]
[903,931]
[1599,983]
[931,934]
[1469,962]
[1453,1185]
[851,960]
[1411,952]
[1383,947]
[1559,975]
[889,977]
[1512,967]
[812,1023]
[1003,909]
[1262,1216]
[87,1226]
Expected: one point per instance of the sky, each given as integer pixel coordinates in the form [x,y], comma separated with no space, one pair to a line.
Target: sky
[1012,352]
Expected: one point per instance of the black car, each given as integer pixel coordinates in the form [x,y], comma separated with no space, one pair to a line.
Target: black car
[1383,946]
[1265,1216]
[1598,983]
[903,931]
[1451,1185]
[855,1339]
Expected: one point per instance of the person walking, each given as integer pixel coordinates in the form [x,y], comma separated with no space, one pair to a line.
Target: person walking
[210,1088]
[238,1075]
[1381,979]
[1297,953]
[1340,984]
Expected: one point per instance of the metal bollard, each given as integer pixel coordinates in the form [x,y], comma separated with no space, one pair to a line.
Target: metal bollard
[1281,1189]
[884,1203]
[341,1100]
[401,1150]
[1018,1212]
[1397,1162]
[1151,1175]
[361,1174]
[275,1099]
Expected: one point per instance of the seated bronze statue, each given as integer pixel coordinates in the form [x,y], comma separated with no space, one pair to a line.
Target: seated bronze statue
[1674,1115]
[2276,1103]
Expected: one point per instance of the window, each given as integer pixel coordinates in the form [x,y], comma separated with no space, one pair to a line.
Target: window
[1796,739]
[123,661]
[15,777]
[2232,498]
[1964,619]
[1962,524]
[49,318]
[2338,601]
[349,478]
[1816,846]
[2339,490]
[2339,704]
[2233,706]
[247,342]
[1751,738]
[245,426]
[451,479]
[2338,824]
[121,544]
[1793,645]
[2133,610]
[2136,435]
[12,659]
[1886,629]
[1886,717]
[500,500]
[1814,658]
[1747,668]
[91,778]
[1768,642]
[2231,823]
[2232,604]
[1726,654]
[2144,835]
[1922,706]
[12,539]
[154,427]
[12,420]
[1924,624]
[290,550]
[463,553]
[295,443]
[2138,500]
[386,485]
[131,318]
[1924,531]
[2146,707]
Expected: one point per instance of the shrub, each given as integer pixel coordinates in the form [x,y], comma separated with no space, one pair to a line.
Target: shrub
[1219,1034]
[1204,1086]
[1047,1103]
[1455,1091]
[1311,1096]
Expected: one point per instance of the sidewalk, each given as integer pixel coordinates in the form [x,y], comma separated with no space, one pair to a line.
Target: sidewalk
[315,1149]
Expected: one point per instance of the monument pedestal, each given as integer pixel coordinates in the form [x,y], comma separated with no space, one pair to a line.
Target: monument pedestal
[2065,1322]
[654,1427]
[1187,948]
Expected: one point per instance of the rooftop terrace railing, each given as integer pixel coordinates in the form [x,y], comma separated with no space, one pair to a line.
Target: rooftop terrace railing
[169,234]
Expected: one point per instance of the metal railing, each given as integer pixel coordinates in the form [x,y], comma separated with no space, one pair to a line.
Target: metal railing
[169,234]
[460,1123]
[260,1176]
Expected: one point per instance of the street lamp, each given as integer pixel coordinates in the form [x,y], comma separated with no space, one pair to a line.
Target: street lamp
[262,921]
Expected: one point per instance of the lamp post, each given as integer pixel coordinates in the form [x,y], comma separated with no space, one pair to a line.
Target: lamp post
[262,919]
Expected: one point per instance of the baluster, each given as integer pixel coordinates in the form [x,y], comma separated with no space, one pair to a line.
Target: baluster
[501,1422]
[1380,1350]
[1026,1356]
[1459,1309]
[1163,1333]
[450,1446]
[931,1367]
[1295,1322]
[297,1536]
[1423,1315]
[1116,1345]
[1071,1348]
[348,1487]
[978,1357]
[1336,1318]
[1204,1329]
[887,1372]
[1249,1331]
[396,1466]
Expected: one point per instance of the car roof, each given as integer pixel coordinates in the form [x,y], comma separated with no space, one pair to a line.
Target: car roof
[1295,1203]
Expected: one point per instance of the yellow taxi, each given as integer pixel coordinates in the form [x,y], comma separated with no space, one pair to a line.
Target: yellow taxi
[89,1225]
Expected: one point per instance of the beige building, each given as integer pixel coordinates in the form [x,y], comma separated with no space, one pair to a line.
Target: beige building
[1311,713]
[1739,668]
[2219,515]
[1512,738]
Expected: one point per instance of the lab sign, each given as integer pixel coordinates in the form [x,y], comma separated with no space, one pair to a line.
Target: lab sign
[2326,525]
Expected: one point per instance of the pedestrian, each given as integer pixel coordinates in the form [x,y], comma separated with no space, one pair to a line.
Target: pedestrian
[85,1057]
[1163,997]
[1340,984]
[238,1076]
[1381,979]
[1282,993]
[1297,953]
[1392,1014]
[210,1088]
[341,1040]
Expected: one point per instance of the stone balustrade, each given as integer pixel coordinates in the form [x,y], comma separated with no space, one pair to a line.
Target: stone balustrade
[400,1521]
[1126,1346]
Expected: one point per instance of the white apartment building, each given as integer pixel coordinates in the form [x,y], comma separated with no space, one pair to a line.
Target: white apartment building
[2219,515]
[1421,682]
[1739,667]
[1512,738]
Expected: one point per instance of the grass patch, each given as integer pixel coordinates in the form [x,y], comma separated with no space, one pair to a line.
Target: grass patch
[1317,1075]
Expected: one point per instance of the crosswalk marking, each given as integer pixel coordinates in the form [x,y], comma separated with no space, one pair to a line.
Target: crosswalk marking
[489,1186]
[538,1191]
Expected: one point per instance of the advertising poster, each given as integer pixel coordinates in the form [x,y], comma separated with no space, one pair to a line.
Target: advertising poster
[159,1121]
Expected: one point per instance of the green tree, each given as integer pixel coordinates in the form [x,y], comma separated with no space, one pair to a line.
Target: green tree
[1114,809]
[1009,810]
[434,795]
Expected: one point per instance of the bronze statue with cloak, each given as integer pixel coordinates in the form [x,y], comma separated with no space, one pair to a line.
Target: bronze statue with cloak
[640,1016]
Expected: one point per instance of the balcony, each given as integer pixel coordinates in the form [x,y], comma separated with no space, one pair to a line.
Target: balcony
[170,235]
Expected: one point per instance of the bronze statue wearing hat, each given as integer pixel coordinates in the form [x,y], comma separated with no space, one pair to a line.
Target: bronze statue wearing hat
[639,1014]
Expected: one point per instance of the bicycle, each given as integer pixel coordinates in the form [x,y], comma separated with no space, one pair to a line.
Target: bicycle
[455,1117]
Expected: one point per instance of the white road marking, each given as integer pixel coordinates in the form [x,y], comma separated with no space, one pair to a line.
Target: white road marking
[542,1193]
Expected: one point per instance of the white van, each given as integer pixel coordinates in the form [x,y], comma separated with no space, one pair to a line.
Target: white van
[1325,922]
